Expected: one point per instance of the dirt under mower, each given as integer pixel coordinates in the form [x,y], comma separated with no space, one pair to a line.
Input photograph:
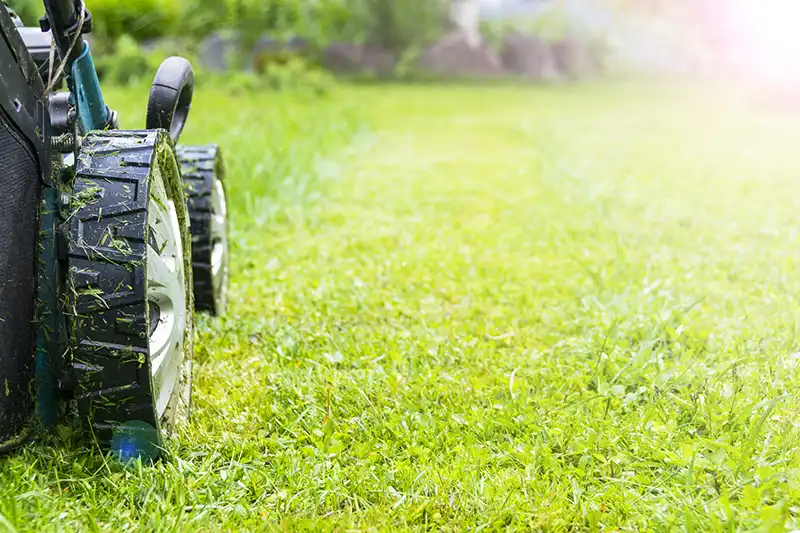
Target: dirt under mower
[110,240]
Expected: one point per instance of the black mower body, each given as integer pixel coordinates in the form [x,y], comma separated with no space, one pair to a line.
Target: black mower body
[25,166]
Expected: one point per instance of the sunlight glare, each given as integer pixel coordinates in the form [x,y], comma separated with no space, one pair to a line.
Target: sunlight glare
[769,37]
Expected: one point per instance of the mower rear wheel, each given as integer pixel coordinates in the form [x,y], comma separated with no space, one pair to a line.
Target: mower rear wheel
[129,287]
[203,172]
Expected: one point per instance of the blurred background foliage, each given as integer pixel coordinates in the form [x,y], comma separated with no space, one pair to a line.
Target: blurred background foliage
[395,24]
[130,36]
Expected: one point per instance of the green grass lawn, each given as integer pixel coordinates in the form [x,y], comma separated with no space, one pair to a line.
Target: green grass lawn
[479,309]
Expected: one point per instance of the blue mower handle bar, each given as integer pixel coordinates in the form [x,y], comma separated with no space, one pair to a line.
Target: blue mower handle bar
[68,20]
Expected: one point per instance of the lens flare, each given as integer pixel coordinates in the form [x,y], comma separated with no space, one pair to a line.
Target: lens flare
[768,37]
[135,440]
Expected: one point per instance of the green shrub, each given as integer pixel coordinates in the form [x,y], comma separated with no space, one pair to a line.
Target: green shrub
[199,18]
[127,64]
[396,25]
[251,18]
[141,19]
[297,75]
[235,83]
[277,17]
[392,24]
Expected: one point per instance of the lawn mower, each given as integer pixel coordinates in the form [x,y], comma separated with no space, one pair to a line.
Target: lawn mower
[111,239]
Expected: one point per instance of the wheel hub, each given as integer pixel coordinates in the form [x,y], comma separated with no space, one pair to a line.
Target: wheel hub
[219,242]
[166,293]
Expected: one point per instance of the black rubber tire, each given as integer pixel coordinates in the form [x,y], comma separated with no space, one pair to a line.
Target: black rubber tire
[200,167]
[108,310]
[171,96]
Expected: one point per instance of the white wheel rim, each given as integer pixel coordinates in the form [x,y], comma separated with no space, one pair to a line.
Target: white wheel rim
[166,294]
[219,243]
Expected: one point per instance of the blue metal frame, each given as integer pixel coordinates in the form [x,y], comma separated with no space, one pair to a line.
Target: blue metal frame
[85,87]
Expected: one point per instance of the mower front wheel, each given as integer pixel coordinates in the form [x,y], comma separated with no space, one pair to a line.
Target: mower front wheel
[129,289]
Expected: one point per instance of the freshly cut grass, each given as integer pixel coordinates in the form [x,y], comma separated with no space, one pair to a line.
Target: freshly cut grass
[479,309]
